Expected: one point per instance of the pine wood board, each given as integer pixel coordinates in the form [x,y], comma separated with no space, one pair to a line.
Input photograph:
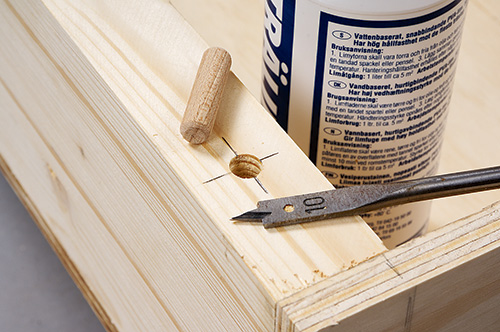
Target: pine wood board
[472,133]
[148,55]
[238,26]
[446,280]
[472,130]
[129,288]
[92,96]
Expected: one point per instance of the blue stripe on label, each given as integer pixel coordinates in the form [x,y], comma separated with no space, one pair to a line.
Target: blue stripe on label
[277,55]
[326,18]
[393,24]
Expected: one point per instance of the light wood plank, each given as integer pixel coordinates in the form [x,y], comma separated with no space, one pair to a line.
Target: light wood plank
[472,130]
[469,143]
[156,98]
[92,97]
[98,118]
[237,26]
[472,133]
[446,280]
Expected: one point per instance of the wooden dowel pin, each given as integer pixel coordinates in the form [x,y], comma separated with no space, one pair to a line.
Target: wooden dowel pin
[206,95]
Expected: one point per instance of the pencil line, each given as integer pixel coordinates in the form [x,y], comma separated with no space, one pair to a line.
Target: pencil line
[271,155]
[261,185]
[215,178]
[392,266]
[229,146]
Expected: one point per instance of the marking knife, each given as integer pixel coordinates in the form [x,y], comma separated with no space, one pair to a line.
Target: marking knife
[355,200]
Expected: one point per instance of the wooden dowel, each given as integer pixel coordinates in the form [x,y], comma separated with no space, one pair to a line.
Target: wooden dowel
[206,95]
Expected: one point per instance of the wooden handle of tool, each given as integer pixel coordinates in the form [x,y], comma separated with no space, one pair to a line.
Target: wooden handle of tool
[206,95]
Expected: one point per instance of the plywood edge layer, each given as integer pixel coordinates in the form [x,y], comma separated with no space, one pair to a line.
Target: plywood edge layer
[435,280]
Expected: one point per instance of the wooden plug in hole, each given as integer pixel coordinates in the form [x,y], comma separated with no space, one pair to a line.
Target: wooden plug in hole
[245,166]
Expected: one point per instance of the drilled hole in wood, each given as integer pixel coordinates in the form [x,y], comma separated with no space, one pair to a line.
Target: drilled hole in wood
[289,208]
[245,166]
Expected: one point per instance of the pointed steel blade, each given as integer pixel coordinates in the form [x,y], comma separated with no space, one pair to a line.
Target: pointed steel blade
[364,198]
[252,216]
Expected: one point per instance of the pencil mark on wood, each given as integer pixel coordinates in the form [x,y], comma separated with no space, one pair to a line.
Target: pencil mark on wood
[409,310]
[229,146]
[269,156]
[391,266]
[217,177]
[261,185]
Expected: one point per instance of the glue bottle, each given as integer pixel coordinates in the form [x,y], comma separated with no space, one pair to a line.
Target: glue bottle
[363,88]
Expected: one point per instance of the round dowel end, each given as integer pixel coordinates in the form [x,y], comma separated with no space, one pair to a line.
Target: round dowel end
[195,134]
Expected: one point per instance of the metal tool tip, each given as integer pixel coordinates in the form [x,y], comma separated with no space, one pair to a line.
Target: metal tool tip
[252,215]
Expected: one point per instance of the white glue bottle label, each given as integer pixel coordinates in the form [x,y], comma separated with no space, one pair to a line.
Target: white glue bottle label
[363,88]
